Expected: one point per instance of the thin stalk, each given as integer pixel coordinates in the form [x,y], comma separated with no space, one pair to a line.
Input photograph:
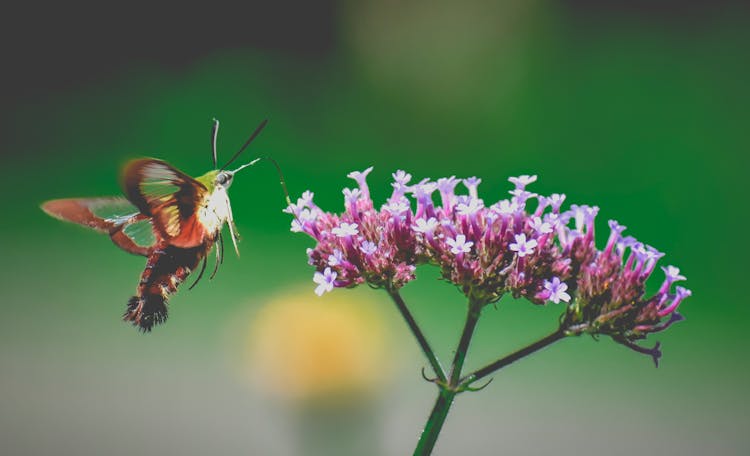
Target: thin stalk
[448,391]
[472,316]
[421,339]
[457,384]
[435,423]
[515,356]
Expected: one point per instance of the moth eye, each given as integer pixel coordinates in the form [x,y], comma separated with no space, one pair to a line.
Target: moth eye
[221,178]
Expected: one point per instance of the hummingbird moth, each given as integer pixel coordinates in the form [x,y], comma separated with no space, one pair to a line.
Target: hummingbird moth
[167,216]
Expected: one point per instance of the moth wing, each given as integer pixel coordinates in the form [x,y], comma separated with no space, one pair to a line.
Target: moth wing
[169,196]
[136,236]
[122,221]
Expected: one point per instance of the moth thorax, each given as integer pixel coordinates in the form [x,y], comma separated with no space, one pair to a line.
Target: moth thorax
[214,211]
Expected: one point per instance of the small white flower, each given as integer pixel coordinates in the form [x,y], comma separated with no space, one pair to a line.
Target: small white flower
[325,281]
[557,290]
[459,245]
[522,246]
[425,226]
[345,229]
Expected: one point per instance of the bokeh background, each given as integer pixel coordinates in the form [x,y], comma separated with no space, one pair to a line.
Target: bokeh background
[639,107]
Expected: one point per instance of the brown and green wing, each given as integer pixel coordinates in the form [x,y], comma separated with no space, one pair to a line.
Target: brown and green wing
[129,229]
[170,197]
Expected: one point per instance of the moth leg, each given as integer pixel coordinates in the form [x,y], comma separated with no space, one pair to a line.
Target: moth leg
[234,235]
[200,274]
[221,245]
[219,256]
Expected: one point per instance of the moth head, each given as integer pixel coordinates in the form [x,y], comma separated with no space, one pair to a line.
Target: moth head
[224,178]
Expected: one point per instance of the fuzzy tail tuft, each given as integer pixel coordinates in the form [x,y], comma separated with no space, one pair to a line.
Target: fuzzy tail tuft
[146,311]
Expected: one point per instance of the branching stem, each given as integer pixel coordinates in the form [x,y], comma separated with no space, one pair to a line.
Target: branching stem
[457,384]
[421,339]
[515,356]
[472,316]
[449,391]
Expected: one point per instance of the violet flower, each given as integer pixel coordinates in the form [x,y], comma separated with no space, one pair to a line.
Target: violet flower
[362,244]
[555,290]
[325,281]
[487,251]
[525,245]
[522,247]
[611,297]
[459,245]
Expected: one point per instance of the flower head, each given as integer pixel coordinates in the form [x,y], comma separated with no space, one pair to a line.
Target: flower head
[611,296]
[487,251]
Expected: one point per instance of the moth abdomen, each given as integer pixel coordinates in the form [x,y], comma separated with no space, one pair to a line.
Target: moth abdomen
[167,267]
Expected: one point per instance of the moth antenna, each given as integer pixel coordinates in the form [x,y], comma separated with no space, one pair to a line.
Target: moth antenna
[214,134]
[200,274]
[247,143]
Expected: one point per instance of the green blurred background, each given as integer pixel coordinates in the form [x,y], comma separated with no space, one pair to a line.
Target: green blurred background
[640,109]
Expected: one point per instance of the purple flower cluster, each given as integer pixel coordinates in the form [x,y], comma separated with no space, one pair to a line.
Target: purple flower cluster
[361,244]
[611,297]
[525,245]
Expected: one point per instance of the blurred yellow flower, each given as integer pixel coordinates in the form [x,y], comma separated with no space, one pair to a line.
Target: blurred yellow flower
[308,348]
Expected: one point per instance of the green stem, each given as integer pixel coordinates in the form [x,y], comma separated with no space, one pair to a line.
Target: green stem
[515,356]
[421,339]
[472,316]
[435,423]
[448,391]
